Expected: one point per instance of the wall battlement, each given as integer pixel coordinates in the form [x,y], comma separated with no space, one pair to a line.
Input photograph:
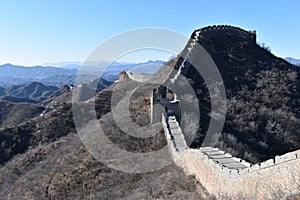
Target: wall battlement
[226,176]
[226,29]
[206,34]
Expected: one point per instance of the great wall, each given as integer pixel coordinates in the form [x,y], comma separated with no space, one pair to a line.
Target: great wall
[135,77]
[223,175]
[204,34]
[228,177]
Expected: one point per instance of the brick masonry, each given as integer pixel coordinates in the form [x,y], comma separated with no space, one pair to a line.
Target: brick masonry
[271,179]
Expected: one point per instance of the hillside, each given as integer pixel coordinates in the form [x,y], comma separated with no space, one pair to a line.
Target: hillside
[33,90]
[45,117]
[64,94]
[44,128]
[263,96]
[12,114]
[64,169]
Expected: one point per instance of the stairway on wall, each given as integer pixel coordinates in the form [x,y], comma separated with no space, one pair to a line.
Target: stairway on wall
[174,76]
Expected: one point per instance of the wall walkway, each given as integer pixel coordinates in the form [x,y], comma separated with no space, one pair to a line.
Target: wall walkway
[228,177]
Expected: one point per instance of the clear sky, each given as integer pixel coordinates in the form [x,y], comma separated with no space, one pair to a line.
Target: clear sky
[39,31]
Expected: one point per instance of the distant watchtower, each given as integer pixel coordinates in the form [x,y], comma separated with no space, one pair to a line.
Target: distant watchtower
[163,100]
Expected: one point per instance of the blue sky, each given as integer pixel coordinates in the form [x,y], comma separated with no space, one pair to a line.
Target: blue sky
[39,31]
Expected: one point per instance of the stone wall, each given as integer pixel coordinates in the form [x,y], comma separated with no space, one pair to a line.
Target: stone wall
[156,109]
[137,77]
[162,101]
[228,30]
[272,179]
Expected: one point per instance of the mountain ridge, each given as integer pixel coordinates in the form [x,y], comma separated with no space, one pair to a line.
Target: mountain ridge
[35,91]
[58,76]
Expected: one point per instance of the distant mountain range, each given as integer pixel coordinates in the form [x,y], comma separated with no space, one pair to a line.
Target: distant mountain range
[9,70]
[65,65]
[38,83]
[293,60]
[11,75]
[65,73]
[110,71]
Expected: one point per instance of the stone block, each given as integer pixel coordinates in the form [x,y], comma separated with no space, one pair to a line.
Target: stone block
[254,168]
[267,163]
[286,157]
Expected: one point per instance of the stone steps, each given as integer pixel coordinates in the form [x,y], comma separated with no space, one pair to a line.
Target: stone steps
[224,159]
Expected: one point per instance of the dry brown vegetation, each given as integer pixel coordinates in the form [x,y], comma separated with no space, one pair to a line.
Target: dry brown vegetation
[56,166]
[263,99]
